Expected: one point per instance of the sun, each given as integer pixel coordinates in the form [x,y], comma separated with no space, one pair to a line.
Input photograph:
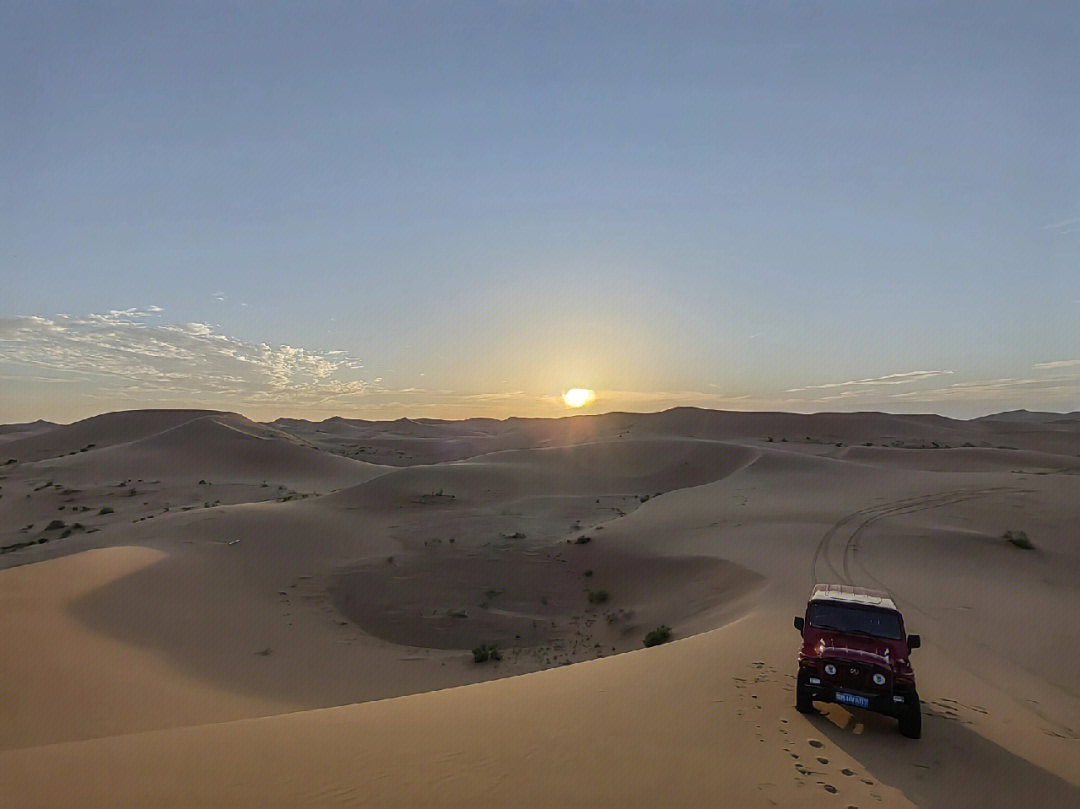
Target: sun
[578,397]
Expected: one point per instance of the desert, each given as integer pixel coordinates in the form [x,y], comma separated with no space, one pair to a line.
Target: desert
[539,404]
[249,614]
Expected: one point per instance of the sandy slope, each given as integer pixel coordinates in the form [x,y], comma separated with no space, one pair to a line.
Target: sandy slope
[60,681]
[693,519]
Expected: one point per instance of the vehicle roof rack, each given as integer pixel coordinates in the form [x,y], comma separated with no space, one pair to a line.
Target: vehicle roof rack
[852,595]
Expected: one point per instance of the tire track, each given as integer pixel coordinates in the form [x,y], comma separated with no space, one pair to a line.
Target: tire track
[831,557]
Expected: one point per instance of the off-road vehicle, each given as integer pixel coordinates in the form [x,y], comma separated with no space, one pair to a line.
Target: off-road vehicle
[855,652]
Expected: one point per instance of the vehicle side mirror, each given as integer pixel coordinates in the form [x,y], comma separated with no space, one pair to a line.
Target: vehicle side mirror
[799,622]
[913,642]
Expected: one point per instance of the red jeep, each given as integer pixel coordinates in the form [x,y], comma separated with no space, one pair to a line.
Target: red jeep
[855,652]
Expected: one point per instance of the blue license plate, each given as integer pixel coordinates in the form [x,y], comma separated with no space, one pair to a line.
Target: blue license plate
[852,699]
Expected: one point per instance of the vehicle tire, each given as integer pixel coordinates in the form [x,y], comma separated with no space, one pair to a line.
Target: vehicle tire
[803,701]
[911,719]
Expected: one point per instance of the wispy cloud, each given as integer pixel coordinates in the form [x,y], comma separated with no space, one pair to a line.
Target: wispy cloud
[889,379]
[1064,226]
[130,354]
[1055,385]
[1042,366]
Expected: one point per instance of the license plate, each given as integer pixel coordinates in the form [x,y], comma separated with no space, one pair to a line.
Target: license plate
[852,699]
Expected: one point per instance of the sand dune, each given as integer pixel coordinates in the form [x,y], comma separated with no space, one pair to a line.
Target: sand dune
[101,431]
[62,682]
[267,648]
[962,459]
[626,467]
[216,448]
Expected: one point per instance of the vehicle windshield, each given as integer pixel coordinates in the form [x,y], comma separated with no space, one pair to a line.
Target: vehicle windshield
[863,620]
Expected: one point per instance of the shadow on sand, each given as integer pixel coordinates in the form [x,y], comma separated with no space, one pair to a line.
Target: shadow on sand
[951,766]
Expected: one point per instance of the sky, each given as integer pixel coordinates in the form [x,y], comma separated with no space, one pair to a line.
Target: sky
[454,209]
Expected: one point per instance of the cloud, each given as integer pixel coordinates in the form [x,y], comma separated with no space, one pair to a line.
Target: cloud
[1043,366]
[1047,390]
[889,379]
[1065,226]
[128,354]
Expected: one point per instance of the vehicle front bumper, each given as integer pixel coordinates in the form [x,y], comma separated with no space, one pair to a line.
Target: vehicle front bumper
[892,703]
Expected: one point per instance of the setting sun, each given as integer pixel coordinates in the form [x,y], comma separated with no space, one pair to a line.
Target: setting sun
[578,397]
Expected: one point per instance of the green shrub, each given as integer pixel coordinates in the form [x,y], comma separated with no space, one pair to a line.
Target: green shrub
[55,525]
[598,596]
[485,652]
[662,634]
[1019,539]
[105,510]
[583,540]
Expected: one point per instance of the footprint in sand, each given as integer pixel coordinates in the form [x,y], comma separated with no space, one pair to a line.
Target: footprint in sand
[822,760]
[829,788]
[815,743]
[846,771]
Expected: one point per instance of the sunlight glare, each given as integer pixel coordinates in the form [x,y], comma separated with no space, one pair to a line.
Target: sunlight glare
[578,397]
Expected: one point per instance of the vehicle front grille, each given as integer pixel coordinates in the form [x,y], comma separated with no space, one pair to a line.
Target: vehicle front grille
[855,676]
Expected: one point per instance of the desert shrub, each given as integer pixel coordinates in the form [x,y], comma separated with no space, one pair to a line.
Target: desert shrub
[598,596]
[583,540]
[662,634]
[587,573]
[485,652]
[644,498]
[105,510]
[1019,539]
[54,525]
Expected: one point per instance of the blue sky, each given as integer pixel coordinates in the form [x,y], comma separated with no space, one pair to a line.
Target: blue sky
[450,209]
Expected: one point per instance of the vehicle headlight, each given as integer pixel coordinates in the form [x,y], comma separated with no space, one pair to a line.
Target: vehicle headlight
[879,679]
[830,669]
